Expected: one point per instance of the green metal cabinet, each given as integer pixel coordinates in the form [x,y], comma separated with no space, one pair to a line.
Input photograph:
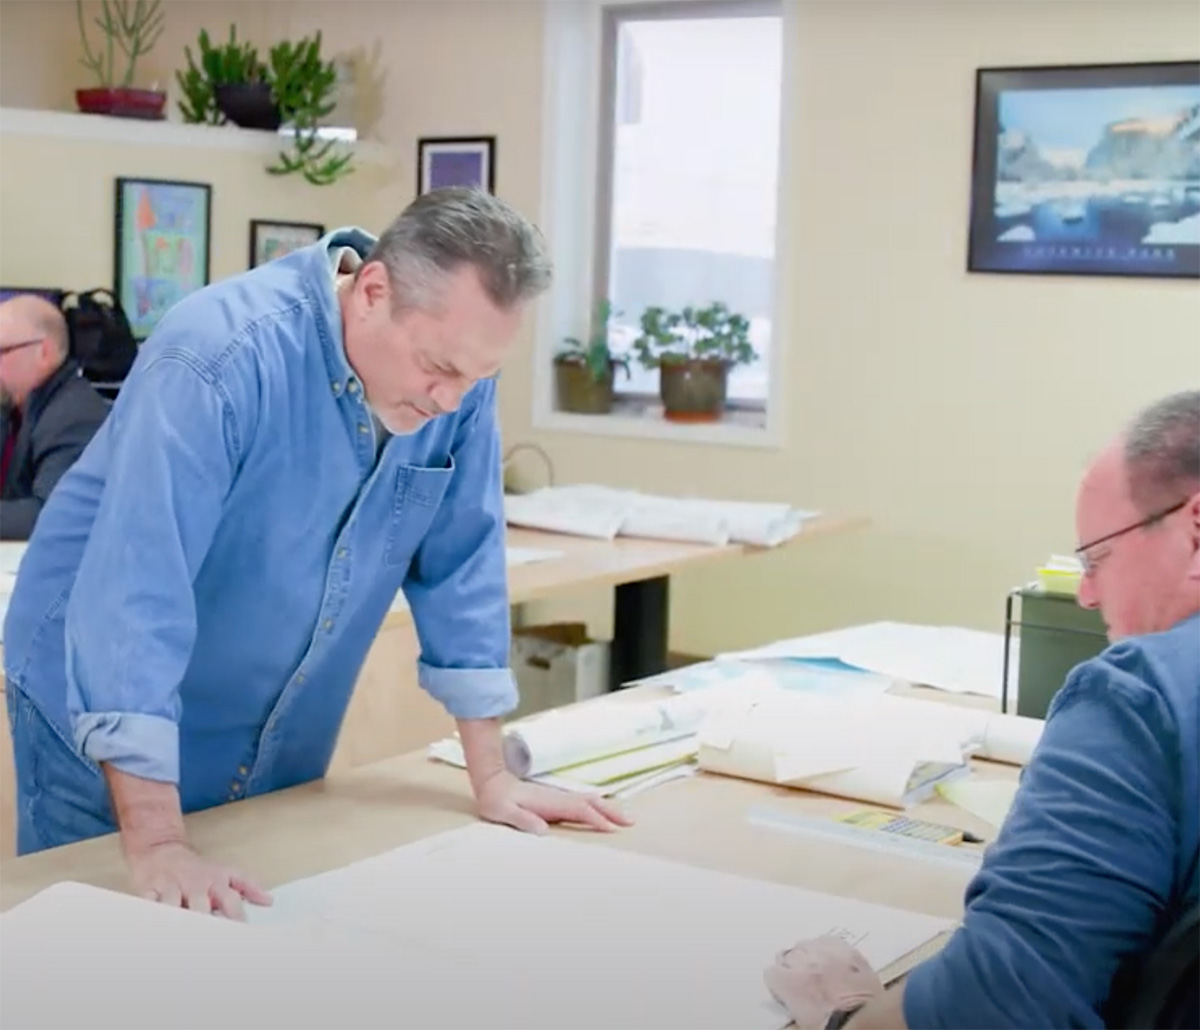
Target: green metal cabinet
[1055,636]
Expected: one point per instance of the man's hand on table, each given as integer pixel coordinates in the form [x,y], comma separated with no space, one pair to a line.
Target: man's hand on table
[819,977]
[502,798]
[173,874]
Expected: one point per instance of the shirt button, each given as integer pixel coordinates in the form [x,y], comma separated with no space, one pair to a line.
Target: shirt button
[362,428]
[329,623]
[299,679]
[234,787]
[342,552]
[353,387]
[242,770]
[337,388]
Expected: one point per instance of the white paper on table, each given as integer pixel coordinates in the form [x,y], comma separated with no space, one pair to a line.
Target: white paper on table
[950,658]
[990,800]
[683,947]
[138,966]
[605,512]
[529,555]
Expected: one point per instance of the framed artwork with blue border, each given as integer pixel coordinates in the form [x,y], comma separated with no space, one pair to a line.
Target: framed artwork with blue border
[456,161]
[161,250]
[1087,170]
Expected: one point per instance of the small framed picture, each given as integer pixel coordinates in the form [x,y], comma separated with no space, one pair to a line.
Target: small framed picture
[161,246]
[270,239]
[456,161]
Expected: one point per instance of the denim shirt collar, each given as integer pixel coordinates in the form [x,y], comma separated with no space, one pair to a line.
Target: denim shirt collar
[320,278]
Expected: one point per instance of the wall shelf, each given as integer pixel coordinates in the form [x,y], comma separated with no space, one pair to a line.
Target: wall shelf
[97,128]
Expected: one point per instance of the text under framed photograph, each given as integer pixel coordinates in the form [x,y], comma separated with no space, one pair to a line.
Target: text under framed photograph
[456,161]
[1087,170]
[270,239]
[162,246]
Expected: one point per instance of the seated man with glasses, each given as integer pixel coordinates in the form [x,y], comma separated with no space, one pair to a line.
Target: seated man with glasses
[50,412]
[1096,865]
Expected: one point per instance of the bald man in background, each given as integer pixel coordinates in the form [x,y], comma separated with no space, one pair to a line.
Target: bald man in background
[50,412]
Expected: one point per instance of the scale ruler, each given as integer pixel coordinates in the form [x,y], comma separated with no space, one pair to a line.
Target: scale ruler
[957,857]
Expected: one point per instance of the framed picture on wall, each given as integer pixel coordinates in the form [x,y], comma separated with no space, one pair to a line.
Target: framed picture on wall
[271,239]
[161,253]
[456,161]
[1087,170]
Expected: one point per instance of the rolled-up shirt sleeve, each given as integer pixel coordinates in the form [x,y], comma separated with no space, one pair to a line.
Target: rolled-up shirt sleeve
[1081,875]
[457,586]
[131,618]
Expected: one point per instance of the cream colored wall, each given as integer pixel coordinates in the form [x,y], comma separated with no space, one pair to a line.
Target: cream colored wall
[932,400]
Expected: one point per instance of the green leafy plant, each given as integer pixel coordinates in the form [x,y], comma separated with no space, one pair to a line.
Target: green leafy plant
[133,27]
[713,333]
[303,86]
[230,64]
[594,353]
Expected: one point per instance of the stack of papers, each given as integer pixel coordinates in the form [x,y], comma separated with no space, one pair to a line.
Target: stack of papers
[950,658]
[868,748]
[605,513]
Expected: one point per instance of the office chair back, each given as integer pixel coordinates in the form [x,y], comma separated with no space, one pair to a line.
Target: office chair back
[1163,992]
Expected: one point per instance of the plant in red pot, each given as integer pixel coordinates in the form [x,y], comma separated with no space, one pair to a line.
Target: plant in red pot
[693,350]
[133,28]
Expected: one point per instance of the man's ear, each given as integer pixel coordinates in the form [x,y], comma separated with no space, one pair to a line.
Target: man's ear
[1193,525]
[372,283]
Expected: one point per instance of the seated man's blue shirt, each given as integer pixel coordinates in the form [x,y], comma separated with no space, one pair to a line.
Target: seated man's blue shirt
[203,586]
[1098,857]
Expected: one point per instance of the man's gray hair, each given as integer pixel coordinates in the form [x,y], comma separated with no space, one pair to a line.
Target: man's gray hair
[444,229]
[1162,452]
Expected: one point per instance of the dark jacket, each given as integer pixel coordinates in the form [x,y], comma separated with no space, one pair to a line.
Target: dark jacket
[61,417]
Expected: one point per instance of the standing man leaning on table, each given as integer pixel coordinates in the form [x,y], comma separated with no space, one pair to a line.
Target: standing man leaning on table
[294,445]
[1098,857]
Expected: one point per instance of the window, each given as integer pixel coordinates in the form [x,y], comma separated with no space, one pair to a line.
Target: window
[668,196]
[689,175]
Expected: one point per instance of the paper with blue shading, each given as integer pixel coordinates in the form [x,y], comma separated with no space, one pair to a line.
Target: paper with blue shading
[823,676]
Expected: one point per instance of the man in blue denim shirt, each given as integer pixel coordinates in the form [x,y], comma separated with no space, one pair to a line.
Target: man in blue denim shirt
[294,445]
[1097,860]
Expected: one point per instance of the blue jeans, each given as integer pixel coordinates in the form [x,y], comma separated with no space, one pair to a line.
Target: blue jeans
[60,797]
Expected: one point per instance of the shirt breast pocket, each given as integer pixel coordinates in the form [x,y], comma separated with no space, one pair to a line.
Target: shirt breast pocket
[419,492]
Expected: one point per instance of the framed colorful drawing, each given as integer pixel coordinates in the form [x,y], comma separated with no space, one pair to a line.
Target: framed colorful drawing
[1087,170]
[456,161]
[270,239]
[161,251]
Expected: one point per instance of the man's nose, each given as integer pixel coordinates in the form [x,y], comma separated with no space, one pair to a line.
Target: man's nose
[1087,593]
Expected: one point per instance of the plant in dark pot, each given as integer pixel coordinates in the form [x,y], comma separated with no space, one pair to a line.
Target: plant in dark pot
[693,350]
[584,371]
[227,83]
[133,28]
[292,89]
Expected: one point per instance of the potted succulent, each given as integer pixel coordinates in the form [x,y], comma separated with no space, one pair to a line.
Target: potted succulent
[693,351]
[134,28]
[294,87]
[584,372]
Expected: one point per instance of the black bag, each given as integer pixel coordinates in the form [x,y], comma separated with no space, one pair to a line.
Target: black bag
[101,338]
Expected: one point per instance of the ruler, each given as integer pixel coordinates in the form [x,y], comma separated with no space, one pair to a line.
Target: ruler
[958,857]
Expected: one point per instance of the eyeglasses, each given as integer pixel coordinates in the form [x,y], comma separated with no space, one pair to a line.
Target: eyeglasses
[1089,563]
[21,346]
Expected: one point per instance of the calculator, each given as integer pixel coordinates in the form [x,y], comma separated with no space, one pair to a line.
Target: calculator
[903,826]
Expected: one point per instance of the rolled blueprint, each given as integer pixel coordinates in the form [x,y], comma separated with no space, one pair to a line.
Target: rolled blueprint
[1010,738]
[565,737]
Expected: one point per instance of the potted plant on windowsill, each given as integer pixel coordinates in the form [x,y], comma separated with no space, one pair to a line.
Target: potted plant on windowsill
[134,28]
[584,372]
[693,350]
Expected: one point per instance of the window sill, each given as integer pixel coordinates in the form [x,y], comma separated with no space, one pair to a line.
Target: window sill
[72,125]
[633,420]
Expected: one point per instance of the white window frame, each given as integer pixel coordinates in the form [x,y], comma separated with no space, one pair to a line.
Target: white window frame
[574,112]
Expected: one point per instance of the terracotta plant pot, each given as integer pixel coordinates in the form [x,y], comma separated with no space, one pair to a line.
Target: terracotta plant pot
[693,390]
[578,392]
[123,102]
[250,105]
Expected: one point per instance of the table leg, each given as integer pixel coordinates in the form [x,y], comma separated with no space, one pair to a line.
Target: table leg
[640,618]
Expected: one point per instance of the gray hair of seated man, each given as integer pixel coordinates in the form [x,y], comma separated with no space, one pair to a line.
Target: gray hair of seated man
[1162,452]
[444,229]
